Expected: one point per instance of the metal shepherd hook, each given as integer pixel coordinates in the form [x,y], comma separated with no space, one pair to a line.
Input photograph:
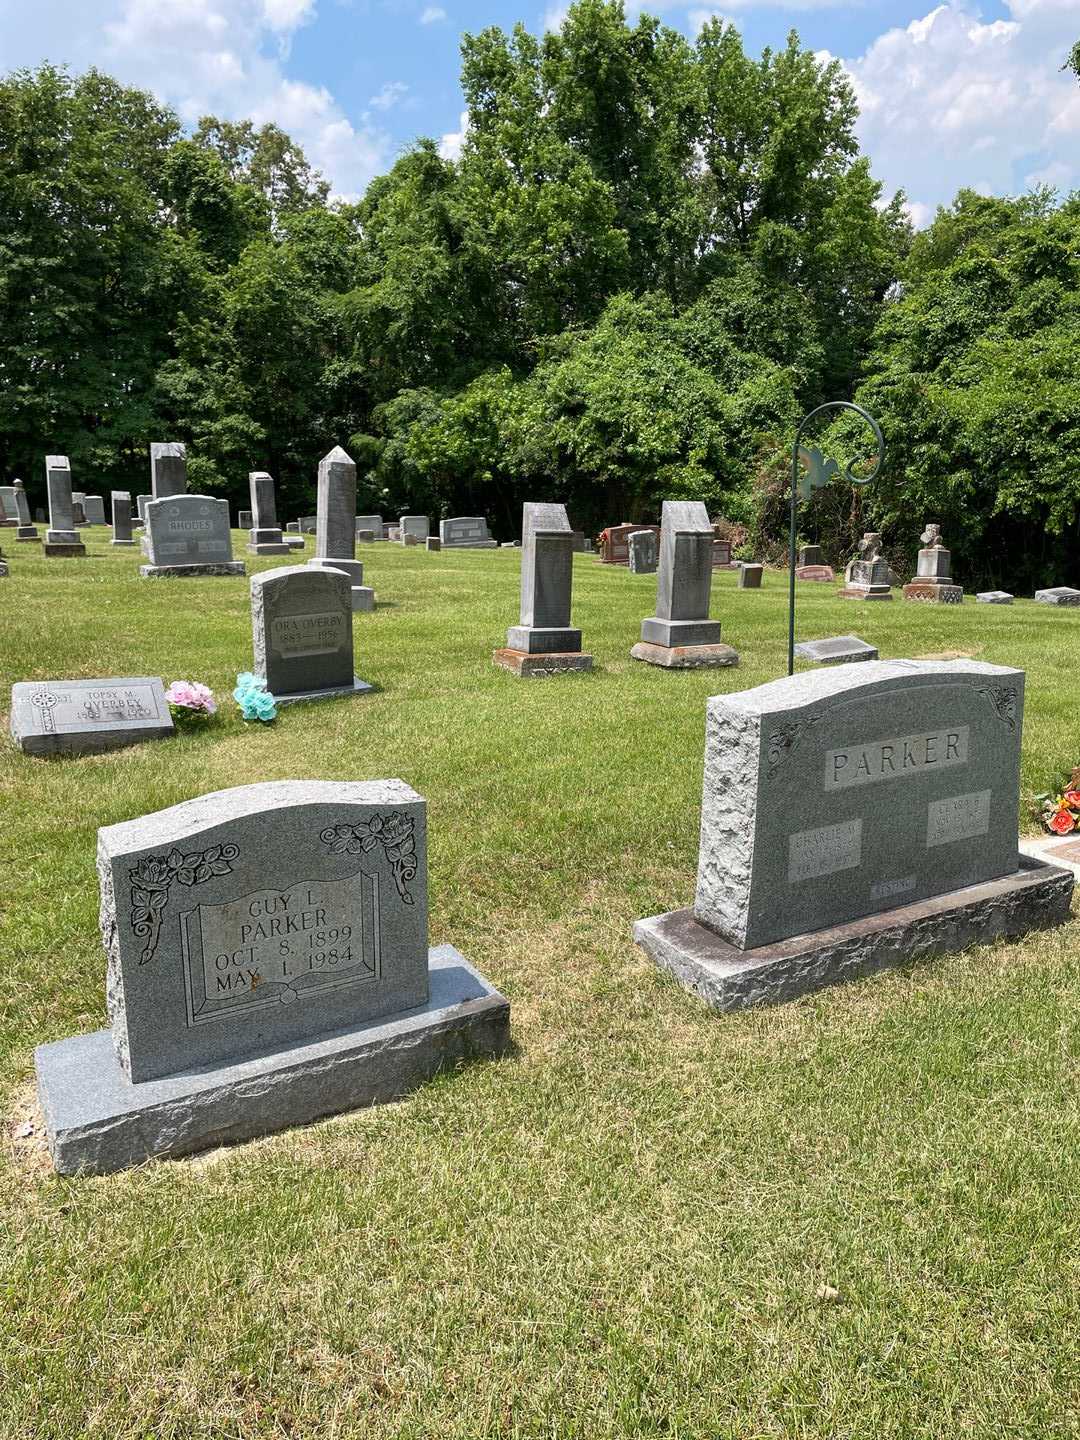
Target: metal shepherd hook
[818,472]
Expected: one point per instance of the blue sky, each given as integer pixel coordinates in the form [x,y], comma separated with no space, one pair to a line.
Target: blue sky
[951,94]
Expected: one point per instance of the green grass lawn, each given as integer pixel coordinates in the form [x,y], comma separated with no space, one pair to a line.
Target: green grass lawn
[621,1228]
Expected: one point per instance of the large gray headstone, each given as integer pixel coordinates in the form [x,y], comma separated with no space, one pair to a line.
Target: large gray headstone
[189,533]
[61,529]
[842,792]
[684,580]
[254,918]
[417,525]
[464,532]
[72,717]
[266,537]
[121,518]
[546,580]
[302,632]
[335,533]
[168,469]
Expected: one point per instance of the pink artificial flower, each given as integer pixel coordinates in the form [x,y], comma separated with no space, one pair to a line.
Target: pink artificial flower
[204,697]
[191,696]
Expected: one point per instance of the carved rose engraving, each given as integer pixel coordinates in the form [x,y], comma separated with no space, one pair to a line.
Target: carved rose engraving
[393,832]
[784,742]
[1004,700]
[153,877]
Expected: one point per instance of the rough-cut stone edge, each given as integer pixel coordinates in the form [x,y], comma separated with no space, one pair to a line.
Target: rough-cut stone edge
[1035,897]
[728,813]
[522,663]
[685,657]
[868,652]
[98,1122]
[184,572]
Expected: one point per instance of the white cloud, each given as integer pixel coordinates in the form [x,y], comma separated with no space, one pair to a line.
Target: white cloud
[950,100]
[389,95]
[700,18]
[555,17]
[432,15]
[450,145]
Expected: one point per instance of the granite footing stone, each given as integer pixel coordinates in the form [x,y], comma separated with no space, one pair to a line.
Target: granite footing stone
[1058,595]
[98,1122]
[27,535]
[685,657]
[837,650]
[864,592]
[184,572]
[994,597]
[929,593]
[293,542]
[525,663]
[333,692]
[1035,897]
[53,548]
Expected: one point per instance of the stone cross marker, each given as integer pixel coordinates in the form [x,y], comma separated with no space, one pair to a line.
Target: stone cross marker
[335,528]
[680,635]
[265,537]
[544,642]
[268,963]
[302,632]
[73,717]
[121,518]
[168,469]
[189,535]
[868,576]
[853,816]
[61,538]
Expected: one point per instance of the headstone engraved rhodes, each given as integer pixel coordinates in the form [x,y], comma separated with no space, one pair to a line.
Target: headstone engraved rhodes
[335,532]
[933,581]
[27,531]
[265,537]
[544,643]
[61,538]
[854,818]
[680,635]
[189,536]
[302,633]
[121,518]
[268,964]
[74,717]
[168,469]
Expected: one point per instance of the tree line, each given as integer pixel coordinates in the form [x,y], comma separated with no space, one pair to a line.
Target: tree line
[652,256]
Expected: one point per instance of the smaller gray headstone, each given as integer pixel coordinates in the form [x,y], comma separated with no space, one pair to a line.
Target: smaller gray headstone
[544,642]
[26,530]
[374,523]
[243,520]
[61,538]
[644,551]
[308,524]
[265,537]
[335,538]
[78,511]
[168,469]
[463,532]
[994,597]
[141,502]
[365,537]
[73,717]
[94,510]
[293,527]
[434,543]
[1058,595]
[121,517]
[811,555]
[750,576]
[837,650]
[9,510]
[418,525]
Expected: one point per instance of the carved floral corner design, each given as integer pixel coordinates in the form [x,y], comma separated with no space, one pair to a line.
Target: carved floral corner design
[393,832]
[784,742]
[1004,699]
[153,877]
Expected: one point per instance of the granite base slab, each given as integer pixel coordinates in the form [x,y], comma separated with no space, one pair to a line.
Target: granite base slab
[124,544]
[1036,896]
[679,633]
[932,594]
[187,572]
[98,1122]
[270,548]
[27,535]
[334,692]
[55,548]
[1061,850]
[860,592]
[521,662]
[993,597]
[685,657]
[1058,595]
[836,650]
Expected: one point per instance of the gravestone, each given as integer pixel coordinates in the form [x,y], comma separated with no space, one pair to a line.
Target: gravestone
[243,517]
[868,576]
[465,532]
[393,533]
[837,650]
[188,536]
[27,532]
[933,581]
[408,538]
[293,542]
[812,565]
[418,525]
[335,537]
[721,554]
[268,964]
[750,576]
[680,635]
[854,817]
[293,527]
[94,510]
[61,538]
[434,544]
[615,542]
[265,537]
[309,524]
[544,642]
[643,549]
[168,470]
[578,542]
[9,514]
[811,555]
[141,502]
[74,717]
[302,633]
[78,511]
[374,523]
[1058,595]
[994,597]
[121,518]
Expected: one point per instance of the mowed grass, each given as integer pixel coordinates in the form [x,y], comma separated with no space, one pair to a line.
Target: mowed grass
[621,1228]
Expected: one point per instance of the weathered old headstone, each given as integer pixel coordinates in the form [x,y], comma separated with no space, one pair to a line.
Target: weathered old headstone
[293,542]
[418,525]
[78,511]
[836,650]
[750,574]
[188,536]
[465,532]
[614,543]
[265,537]
[309,524]
[812,565]
[61,538]
[335,535]
[933,580]
[721,554]
[994,597]
[1058,595]
[852,818]
[121,518]
[27,532]
[868,576]
[643,550]
[9,514]
[141,502]
[434,544]
[73,717]
[243,517]
[268,964]
[302,633]
[168,469]
[544,642]
[680,635]
[94,510]
[374,523]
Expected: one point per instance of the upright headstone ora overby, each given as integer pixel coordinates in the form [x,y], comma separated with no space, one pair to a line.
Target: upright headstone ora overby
[680,635]
[544,642]
[168,470]
[464,532]
[302,633]
[265,537]
[868,576]
[878,802]
[933,581]
[121,518]
[335,531]
[188,536]
[61,538]
[74,717]
[268,964]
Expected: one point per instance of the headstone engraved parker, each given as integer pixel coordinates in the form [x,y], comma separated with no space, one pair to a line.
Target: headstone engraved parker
[302,633]
[265,536]
[267,964]
[544,642]
[853,818]
[61,538]
[335,529]
[680,635]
